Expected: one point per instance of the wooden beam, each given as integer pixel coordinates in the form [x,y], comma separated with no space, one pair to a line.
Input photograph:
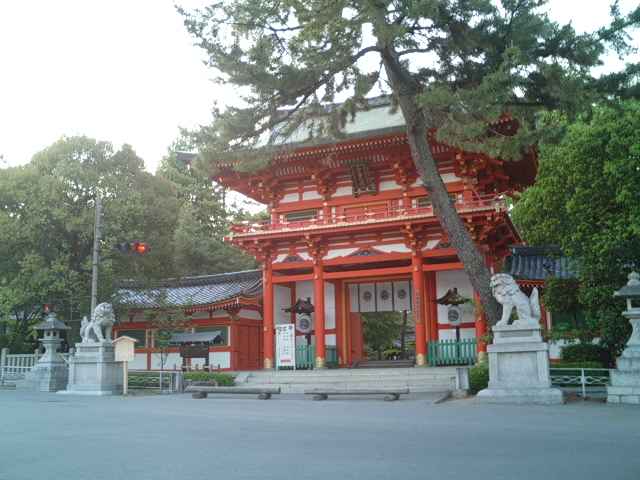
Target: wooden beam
[292,278]
[438,267]
[384,257]
[292,265]
[439,252]
[374,272]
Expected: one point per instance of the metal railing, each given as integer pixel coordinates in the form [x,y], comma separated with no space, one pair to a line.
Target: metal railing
[582,378]
[373,215]
[165,381]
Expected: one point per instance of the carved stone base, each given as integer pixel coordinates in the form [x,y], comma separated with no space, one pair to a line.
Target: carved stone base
[519,368]
[320,363]
[49,377]
[625,380]
[94,371]
[421,360]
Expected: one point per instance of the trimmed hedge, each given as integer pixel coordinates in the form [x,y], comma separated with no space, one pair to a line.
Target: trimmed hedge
[585,352]
[577,365]
[478,377]
[222,379]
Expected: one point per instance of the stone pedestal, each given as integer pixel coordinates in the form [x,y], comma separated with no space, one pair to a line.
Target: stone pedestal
[519,367]
[625,379]
[94,371]
[50,373]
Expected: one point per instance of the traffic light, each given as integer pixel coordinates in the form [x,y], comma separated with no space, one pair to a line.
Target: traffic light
[137,248]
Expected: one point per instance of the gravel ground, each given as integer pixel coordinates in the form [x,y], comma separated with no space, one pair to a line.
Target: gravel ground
[57,437]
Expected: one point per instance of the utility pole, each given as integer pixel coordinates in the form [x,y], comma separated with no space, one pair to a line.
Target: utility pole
[96,254]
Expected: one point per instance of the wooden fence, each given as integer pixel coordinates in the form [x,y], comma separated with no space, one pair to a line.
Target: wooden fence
[452,352]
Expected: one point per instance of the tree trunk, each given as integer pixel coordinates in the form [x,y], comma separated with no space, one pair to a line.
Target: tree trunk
[418,123]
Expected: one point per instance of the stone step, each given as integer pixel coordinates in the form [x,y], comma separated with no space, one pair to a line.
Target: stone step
[367,372]
[413,388]
[333,381]
[340,378]
[383,364]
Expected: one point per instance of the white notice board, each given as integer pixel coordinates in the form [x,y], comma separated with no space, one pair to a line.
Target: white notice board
[286,345]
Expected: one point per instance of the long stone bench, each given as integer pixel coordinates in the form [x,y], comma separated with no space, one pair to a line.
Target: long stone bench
[390,394]
[202,391]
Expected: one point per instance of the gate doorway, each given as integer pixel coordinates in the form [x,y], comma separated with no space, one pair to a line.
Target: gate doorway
[388,336]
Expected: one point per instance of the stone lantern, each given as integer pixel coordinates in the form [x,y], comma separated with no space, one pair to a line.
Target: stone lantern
[51,373]
[625,379]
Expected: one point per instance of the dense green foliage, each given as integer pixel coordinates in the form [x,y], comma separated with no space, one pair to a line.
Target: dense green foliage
[587,200]
[47,211]
[586,352]
[470,63]
[580,364]
[478,377]
[303,69]
[222,379]
[380,330]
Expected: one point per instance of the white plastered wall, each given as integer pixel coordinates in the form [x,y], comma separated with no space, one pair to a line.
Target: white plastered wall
[139,362]
[281,299]
[458,279]
[173,359]
[304,290]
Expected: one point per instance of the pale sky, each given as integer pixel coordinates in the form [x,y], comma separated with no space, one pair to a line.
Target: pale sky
[126,71]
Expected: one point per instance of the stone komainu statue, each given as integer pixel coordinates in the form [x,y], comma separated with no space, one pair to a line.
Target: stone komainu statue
[103,317]
[506,291]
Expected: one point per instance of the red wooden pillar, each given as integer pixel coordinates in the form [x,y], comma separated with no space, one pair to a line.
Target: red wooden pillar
[339,306]
[432,306]
[267,315]
[418,308]
[481,328]
[318,297]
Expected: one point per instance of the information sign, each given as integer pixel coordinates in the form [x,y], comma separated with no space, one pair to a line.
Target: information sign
[286,346]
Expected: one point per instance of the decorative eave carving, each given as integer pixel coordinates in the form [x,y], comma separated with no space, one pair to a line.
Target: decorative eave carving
[415,237]
[316,248]
[404,173]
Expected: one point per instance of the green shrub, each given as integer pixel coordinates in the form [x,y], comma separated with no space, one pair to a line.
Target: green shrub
[478,377]
[223,379]
[586,352]
[564,364]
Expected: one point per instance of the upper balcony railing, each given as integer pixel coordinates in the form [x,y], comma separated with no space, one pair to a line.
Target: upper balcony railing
[371,216]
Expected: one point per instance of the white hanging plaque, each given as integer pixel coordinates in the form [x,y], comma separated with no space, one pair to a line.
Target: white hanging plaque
[285,345]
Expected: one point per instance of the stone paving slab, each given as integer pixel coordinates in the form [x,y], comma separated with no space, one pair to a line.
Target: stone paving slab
[48,436]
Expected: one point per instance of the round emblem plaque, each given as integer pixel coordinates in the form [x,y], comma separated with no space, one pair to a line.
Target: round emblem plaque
[304,323]
[454,315]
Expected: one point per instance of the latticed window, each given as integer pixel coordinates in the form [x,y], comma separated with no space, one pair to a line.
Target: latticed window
[301,215]
[423,202]
[362,178]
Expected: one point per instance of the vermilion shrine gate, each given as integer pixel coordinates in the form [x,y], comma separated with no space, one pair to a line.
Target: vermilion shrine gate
[351,228]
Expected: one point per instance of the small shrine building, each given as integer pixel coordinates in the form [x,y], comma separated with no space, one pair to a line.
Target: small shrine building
[217,319]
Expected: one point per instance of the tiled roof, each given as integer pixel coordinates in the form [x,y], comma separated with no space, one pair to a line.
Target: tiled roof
[191,291]
[539,263]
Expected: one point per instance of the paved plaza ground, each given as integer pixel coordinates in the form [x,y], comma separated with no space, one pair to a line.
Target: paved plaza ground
[54,437]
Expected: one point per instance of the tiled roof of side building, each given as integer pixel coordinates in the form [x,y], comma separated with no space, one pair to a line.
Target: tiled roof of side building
[539,263]
[191,291]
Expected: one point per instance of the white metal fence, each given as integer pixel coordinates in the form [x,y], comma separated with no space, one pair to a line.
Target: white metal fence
[15,366]
[586,380]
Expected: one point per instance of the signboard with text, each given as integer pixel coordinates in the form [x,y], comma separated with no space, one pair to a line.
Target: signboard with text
[286,346]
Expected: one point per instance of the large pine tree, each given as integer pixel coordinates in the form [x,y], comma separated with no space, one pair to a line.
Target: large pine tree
[454,65]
